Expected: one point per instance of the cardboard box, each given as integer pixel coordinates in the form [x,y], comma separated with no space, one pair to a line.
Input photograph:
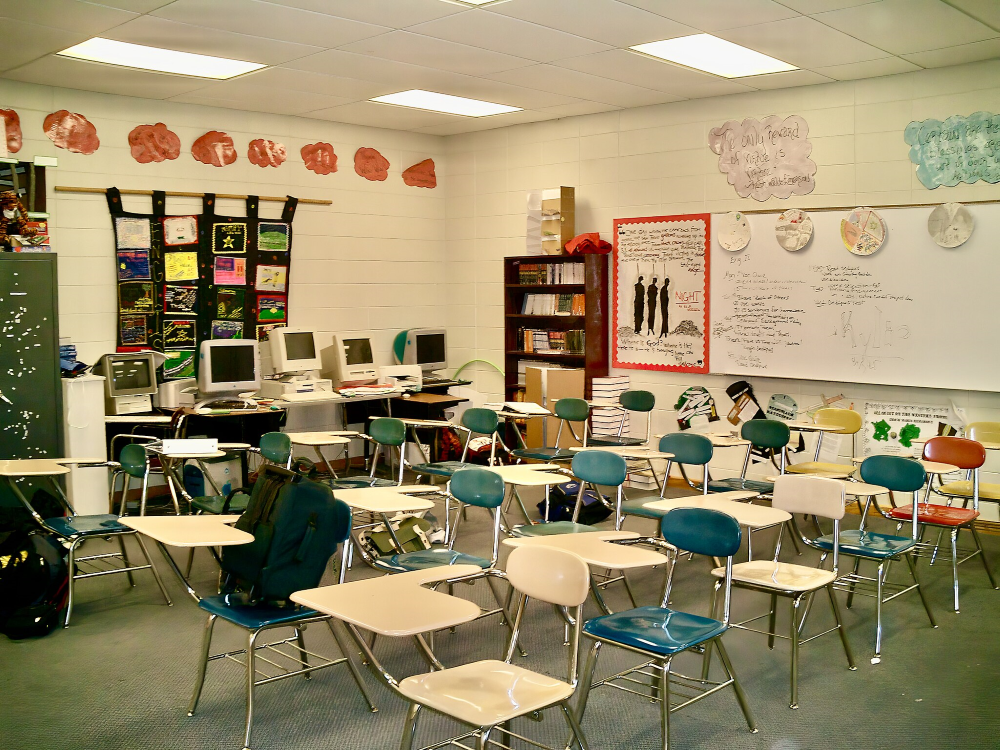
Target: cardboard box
[544,386]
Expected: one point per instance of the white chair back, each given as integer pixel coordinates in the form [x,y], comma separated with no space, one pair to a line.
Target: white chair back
[809,495]
[549,575]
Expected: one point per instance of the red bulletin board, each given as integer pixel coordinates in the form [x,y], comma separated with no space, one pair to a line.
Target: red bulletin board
[651,332]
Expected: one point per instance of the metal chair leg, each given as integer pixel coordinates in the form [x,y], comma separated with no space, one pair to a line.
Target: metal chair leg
[121,546]
[850,591]
[574,726]
[878,613]
[954,565]
[741,697]
[920,590]
[153,570]
[300,641]
[355,672]
[483,740]
[665,703]
[251,678]
[409,727]
[772,621]
[587,680]
[706,660]
[71,563]
[794,636]
[841,629]
[199,680]
[982,556]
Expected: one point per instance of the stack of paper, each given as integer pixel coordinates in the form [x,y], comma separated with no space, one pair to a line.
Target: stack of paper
[607,421]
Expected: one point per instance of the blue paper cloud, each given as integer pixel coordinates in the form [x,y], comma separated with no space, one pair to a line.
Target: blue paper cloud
[960,149]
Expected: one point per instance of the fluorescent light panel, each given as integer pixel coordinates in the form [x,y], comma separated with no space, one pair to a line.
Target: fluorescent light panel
[159,60]
[713,55]
[452,105]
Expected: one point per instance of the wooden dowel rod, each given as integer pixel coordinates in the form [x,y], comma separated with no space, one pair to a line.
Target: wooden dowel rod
[185,194]
[851,208]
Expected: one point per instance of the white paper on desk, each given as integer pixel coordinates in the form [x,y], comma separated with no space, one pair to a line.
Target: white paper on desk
[829,451]
[525,407]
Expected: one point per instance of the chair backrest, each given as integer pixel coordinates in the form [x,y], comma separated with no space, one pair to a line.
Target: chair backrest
[988,431]
[133,460]
[479,487]
[275,447]
[687,447]
[479,420]
[702,531]
[549,574]
[637,400]
[388,431]
[814,496]
[894,473]
[600,467]
[572,409]
[961,452]
[848,420]
[766,433]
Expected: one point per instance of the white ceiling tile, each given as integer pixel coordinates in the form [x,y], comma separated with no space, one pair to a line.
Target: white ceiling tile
[902,26]
[642,70]
[605,21]
[510,36]
[985,11]
[478,124]
[69,15]
[712,15]
[402,46]
[317,83]
[33,41]
[248,95]
[964,53]
[580,108]
[808,7]
[786,80]
[87,76]
[270,21]
[803,42]
[136,6]
[887,66]
[397,14]
[159,32]
[584,86]
[381,116]
[514,95]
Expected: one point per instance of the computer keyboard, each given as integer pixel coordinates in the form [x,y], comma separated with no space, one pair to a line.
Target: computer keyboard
[309,396]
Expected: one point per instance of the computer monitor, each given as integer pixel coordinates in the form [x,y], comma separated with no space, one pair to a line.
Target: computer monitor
[294,350]
[427,347]
[228,366]
[350,361]
[129,381]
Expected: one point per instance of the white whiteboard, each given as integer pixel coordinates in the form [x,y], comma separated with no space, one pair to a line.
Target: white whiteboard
[911,314]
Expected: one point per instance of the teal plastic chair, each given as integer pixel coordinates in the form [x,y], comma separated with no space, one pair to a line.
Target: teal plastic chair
[660,633]
[768,434]
[387,433]
[475,421]
[275,448]
[568,410]
[641,402]
[134,463]
[689,449]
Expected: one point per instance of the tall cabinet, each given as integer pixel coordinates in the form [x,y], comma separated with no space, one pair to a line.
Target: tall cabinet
[555,312]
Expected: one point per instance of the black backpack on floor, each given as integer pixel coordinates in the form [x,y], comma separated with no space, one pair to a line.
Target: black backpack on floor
[296,525]
[34,583]
[562,501]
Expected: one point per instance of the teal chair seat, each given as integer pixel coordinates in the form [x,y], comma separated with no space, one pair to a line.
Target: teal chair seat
[216,504]
[428,558]
[544,454]
[96,525]
[615,440]
[552,528]
[634,507]
[735,483]
[867,544]
[656,630]
[440,468]
[253,616]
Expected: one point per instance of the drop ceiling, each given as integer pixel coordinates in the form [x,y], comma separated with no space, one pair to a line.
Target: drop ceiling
[551,58]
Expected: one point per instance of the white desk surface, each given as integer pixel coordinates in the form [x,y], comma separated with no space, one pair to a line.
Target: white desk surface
[138,418]
[533,475]
[76,461]
[31,467]
[752,516]
[395,605]
[812,427]
[189,531]
[625,451]
[596,548]
[335,398]
[184,455]
[382,500]
[317,438]
[235,446]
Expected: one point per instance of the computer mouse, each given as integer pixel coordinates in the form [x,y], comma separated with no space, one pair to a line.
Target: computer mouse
[406,395]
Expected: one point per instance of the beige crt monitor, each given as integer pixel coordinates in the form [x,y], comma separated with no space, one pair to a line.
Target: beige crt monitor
[349,362]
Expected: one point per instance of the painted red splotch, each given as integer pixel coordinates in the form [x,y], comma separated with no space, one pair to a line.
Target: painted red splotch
[214,148]
[153,143]
[71,131]
[319,158]
[13,123]
[371,165]
[421,175]
[266,153]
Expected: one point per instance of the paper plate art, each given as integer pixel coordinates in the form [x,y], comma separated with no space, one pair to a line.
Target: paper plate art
[863,232]
[793,229]
[733,231]
[950,224]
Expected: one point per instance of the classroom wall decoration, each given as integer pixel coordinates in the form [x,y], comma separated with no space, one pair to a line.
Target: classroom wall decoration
[319,158]
[960,149]
[950,225]
[12,126]
[153,143]
[185,279]
[421,174]
[370,164]
[863,231]
[265,153]
[661,293]
[890,429]
[71,131]
[214,148]
[732,231]
[764,158]
[793,229]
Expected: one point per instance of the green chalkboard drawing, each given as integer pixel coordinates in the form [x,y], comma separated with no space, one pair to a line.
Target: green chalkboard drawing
[960,149]
[908,434]
[881,430]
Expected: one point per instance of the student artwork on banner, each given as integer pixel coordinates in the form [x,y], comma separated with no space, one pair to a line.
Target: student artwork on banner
[189,278]
[661,277]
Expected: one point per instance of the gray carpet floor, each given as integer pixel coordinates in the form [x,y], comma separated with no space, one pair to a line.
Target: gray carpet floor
[121,675]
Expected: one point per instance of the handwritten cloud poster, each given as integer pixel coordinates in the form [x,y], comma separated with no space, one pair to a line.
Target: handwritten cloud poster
[960,149]
[661,277]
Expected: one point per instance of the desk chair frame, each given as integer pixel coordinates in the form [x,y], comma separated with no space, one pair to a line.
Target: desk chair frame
[119,470]
[629,401]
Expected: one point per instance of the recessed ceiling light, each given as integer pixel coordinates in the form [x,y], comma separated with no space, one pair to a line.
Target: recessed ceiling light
[713,55]
[160,60]
[452,105]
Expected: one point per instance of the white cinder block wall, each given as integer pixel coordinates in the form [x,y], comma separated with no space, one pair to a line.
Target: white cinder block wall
[655,160]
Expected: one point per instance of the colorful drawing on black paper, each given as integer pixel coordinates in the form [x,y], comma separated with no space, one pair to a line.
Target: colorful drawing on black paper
[230,271]
[272,238]
[179,300]
[271,278]
[264,330]
[229,238]
[229,304]
[179,334]
[133,329]
[180,230]
[227,329]
[179,364]
[272,308]
[135,297]
[133,264]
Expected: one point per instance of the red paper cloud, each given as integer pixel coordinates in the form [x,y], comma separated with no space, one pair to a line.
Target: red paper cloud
[214,148]
[71,131]
[371,165]
[319,158]
[265,153]
[153,143]
[13,123]
[421,175]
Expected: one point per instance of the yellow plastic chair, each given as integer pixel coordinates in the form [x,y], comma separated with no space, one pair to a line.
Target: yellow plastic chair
[849,422]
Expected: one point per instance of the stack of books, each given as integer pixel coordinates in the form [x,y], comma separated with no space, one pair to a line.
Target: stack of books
[607,421]
[550,273]
[541,341]
[553,304]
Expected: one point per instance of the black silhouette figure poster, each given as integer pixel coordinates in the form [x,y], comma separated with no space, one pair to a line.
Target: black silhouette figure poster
[661,293]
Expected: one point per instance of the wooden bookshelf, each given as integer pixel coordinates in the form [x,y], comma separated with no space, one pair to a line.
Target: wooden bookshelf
[594,322]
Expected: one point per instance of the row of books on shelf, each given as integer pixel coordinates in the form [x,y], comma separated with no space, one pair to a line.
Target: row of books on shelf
[550,273]
[553,304]
[542,341]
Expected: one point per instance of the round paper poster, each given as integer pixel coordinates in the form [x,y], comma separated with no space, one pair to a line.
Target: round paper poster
[733,231]
[863,232]
[950,224]
[793,229]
